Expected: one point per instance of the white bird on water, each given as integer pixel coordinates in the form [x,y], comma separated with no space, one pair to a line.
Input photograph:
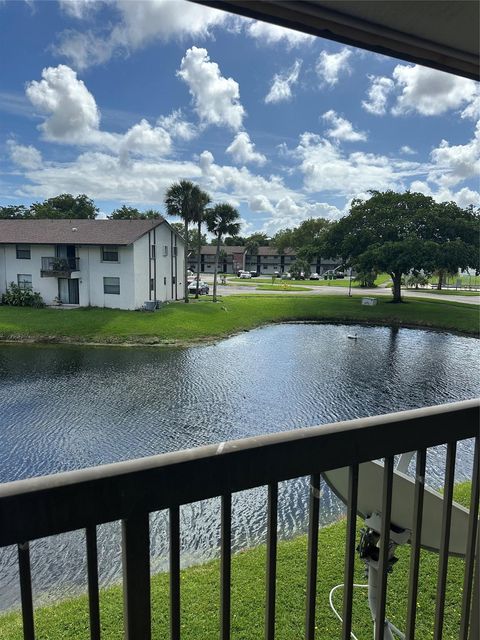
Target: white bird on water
[354,337]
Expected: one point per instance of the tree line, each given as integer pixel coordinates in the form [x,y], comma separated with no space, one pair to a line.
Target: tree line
[403,234]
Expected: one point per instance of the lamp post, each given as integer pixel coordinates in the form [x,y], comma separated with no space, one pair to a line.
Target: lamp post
[350,284]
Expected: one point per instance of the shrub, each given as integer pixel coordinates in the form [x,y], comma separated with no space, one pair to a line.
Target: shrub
[15,296]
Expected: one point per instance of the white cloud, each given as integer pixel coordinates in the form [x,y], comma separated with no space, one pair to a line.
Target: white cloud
[139,24]
[79,9]
[472,110]
[145,140]
[380,89]
[454,164]
[270,34]
[243,151]
[72,117]
[282,83]
[408,151]
[430,92]
[71,109]
[27,157]
[176,126]
[463,197]
[260,204]
[330,66]
[216,99]
[326,168]
[105,177]
[342,129]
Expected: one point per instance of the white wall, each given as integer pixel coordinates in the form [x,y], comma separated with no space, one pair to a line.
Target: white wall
[47,287]
[92,272]
[132,268]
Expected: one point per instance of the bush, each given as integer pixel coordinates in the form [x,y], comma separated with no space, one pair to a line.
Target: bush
[15,296]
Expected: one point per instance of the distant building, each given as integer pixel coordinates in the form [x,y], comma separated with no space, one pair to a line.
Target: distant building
[103,263]
[266,261]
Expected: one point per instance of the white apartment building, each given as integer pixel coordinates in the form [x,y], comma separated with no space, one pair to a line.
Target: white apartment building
[102,263]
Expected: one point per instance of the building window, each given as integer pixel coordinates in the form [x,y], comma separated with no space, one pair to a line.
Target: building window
[153,251]
[109,254]
[24,281]
[165,250]
[23,252]
[164,280]
[111,286]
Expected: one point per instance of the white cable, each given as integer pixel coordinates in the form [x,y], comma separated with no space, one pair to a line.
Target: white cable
[330,599]
[360,586]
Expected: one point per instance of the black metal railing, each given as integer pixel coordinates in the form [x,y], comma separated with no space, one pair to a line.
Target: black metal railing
[130,491]
[53,265]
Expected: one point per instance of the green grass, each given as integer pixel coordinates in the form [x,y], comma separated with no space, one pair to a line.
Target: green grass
[380,280]
[68,620]
[202,320]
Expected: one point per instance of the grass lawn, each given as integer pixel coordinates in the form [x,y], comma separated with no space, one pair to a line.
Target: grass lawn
[285,286]
[380,280]
[202,320]
[68,620]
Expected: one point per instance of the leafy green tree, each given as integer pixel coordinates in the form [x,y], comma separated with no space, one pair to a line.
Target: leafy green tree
[65,206]
[401,232]
[132,213]
[366,278]
[222,219]
[232,241]
[180,201]
[126,213]
[14,211]
[261,239]
[200,202]
[299,267]
[307,240]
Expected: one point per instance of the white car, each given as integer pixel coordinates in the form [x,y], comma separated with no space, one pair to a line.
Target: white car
[314,276]
[246,275]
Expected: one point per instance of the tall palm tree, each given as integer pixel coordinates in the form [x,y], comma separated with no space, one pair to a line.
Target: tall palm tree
[222,219]
[179,201]
[200,201]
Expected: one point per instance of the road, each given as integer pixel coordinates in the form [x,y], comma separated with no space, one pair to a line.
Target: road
[228,290]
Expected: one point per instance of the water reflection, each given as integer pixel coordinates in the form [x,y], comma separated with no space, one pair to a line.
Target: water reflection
[67,407]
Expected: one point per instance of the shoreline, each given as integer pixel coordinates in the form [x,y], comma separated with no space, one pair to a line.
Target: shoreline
[209,341]
[202,323]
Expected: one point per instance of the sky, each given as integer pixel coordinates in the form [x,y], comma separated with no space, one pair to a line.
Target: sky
[119,99]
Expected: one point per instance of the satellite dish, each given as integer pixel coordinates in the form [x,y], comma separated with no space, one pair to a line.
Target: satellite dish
[369,501]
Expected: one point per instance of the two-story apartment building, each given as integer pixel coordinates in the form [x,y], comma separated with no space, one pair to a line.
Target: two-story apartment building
[102,263]
[266,260]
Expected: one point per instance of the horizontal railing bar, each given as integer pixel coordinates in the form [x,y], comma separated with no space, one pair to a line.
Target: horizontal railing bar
[39,507]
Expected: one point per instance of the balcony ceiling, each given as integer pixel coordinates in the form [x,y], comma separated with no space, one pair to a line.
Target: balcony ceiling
[442,34]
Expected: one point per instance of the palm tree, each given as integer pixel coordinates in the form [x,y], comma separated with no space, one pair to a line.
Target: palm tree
[200,201]
[180,201]
[221,220]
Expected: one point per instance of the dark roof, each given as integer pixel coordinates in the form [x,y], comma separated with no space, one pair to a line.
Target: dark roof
[118,232]
[211,249]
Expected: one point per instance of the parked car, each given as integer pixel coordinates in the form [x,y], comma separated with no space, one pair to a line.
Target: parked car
[254,274]
[314,276]
[286,276]
[203,287]
[245,274]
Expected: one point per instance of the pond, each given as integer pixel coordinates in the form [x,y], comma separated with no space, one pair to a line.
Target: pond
[68,407]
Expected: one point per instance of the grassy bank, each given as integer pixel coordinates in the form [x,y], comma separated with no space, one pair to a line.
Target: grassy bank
[200,596]
[202,320]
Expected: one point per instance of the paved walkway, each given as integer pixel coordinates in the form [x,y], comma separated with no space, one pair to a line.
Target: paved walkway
[343,291]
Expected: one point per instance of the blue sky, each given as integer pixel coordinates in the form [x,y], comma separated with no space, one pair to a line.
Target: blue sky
[119,99]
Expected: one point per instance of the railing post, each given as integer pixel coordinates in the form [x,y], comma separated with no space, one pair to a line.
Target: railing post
[312,555]
[271,585]
[26,590]
[350,551]
[136,577]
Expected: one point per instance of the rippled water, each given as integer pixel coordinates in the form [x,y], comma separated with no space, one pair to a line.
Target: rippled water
[70,407]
